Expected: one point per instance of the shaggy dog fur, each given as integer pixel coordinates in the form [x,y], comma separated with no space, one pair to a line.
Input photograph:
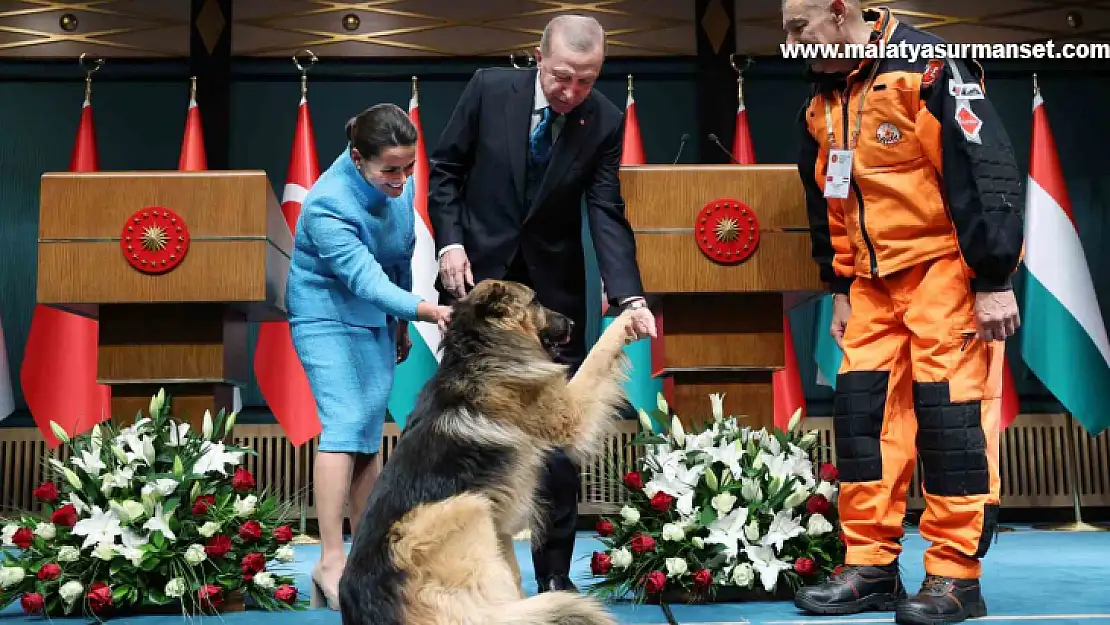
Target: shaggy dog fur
[435,544]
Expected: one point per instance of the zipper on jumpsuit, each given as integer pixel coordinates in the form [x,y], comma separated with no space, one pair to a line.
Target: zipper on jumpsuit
[855,188]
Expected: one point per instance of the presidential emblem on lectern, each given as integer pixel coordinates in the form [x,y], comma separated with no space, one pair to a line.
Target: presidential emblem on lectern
[154,240]
[727,231]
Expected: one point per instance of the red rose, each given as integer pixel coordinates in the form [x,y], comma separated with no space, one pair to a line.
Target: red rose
[283,534]
[211,595]
[32,602]
[633,480]
[248,578]
[242,481]
[250,531]
[642,542]
[201,504]
[829,472]
[286,594]
[217,546]
[702,580]
[23,538]
[661,502]
[50,572]
[66,516]
[601,563]
[604,528]
[253,563]
[817,504]
[805,566]
[99,597]
[48,492]
[654,582]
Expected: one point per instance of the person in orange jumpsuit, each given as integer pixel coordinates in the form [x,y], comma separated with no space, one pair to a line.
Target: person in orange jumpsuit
[913,196]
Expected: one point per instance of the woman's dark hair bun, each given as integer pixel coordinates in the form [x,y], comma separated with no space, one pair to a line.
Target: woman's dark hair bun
[379,127]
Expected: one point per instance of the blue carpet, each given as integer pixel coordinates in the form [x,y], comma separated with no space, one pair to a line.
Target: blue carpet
[1029,577]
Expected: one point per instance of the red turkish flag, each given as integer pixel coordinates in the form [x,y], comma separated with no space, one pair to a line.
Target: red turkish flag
[58,374]
[786,383]
[1009,396]
[278,370]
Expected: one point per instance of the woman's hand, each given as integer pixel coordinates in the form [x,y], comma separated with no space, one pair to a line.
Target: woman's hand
[432,313]
[404,343]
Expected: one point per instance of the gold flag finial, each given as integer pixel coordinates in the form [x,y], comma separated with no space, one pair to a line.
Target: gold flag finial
[630,85]
[1036,87]
[414,89]
[89,71]
[192,89]
[311,60]
[748,61]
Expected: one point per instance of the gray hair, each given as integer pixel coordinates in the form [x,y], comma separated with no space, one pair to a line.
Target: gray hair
[579,32]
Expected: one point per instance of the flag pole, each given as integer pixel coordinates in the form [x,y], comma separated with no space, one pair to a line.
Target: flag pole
[89,71]
[1078,524]
[303,537]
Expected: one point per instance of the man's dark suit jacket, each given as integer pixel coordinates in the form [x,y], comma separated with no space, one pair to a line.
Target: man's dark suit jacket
[477,185]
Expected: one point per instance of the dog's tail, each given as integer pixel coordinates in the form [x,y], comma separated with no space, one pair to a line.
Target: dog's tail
[550,608]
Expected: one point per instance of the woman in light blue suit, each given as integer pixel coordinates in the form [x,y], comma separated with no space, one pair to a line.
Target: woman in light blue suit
[349,299]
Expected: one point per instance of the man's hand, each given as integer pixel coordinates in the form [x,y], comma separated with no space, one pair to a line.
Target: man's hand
[643,323]
[454,272]
[404,343]
[997,315]
[842,310]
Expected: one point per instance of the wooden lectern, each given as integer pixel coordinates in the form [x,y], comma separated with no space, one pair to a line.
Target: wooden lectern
[173,265]
[721,304]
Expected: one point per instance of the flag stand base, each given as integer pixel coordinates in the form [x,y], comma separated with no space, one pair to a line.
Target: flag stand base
[1078,525]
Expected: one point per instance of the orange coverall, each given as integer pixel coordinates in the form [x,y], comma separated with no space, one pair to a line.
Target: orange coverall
[933,216]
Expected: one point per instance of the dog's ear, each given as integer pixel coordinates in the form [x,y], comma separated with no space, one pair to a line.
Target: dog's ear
[493,301]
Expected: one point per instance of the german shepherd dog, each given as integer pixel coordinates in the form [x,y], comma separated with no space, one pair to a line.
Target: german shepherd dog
[435,543]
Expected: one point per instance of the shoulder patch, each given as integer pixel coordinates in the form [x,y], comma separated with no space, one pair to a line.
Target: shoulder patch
[931,73]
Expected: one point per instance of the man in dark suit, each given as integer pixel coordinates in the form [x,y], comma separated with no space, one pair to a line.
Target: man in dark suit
[507,181]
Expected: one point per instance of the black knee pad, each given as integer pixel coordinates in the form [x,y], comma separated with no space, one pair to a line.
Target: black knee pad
[858,410]
[950,442]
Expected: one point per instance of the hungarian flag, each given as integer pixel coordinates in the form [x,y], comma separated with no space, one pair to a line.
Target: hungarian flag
[59,366]
[423,359]
[1064,338]
[193,158]
[277,368]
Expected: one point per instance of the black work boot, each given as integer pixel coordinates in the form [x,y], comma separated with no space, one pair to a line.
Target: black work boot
[942,600]
[854,589]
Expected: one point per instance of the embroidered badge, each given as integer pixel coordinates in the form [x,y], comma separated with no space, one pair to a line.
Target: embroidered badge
[932,72]
[888,134]
[969,122]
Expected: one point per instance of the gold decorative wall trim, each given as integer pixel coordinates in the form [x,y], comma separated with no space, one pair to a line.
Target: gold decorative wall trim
[1034,456]
[110,28]
[443,28]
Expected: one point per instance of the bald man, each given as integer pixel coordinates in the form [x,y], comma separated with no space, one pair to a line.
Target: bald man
[519,154]
[913,195]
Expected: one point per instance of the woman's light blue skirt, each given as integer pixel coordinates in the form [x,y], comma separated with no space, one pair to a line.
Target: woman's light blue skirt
[350,370]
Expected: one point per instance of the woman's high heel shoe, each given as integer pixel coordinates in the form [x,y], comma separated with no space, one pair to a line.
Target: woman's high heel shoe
[319,597]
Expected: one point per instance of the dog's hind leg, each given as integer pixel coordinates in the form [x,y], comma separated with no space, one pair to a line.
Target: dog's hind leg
[451,555]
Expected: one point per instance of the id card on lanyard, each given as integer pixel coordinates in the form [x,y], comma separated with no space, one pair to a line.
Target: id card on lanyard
[838,171]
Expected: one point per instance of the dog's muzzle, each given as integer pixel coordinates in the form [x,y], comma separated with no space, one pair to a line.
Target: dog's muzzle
[558,330]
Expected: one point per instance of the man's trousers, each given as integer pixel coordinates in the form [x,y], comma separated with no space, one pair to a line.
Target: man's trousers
[916,382]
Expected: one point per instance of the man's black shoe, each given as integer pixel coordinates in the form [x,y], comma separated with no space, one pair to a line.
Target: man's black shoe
[854,589]
[942,600]
[558,582]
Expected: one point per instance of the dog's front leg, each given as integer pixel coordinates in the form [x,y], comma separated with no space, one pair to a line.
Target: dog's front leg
[509,553]
[595,392]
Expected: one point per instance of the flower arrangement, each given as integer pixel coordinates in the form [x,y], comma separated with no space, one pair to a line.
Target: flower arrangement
[727,510]
[150,518]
